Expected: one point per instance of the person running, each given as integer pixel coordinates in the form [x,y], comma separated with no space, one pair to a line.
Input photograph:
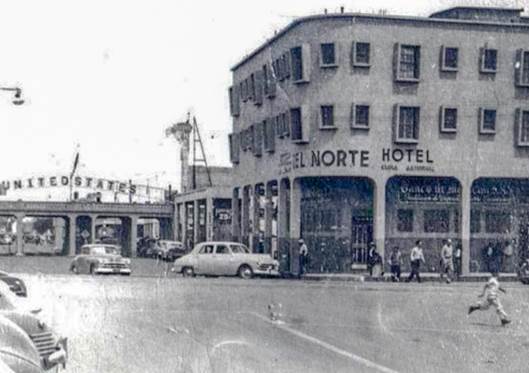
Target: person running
[395,261]
[416,256]
[447,261]
[490,291]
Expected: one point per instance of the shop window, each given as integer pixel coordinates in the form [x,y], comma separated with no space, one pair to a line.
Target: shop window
[475,221]
[522,68]
[407,124]
[327,117]
[234,147]
[488,60]
[522,126]
[360,116]
[448,120]
[408,63]
[436,221]
[361,53]
[449,58]
[405,220]
[497,222]
[327,55]
[487,121]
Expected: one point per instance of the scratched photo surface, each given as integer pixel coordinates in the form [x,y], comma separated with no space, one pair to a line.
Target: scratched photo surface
[281,186]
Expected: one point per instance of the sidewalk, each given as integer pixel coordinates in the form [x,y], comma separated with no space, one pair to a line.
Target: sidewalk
[425,277]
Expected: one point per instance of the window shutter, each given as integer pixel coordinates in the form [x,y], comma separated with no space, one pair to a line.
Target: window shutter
[518,125]
[518,67]
[270,134]
[259,77]
[258,139]
[395,119]
[286,123]
[306,62]
[396,61]
[271,83]
[286,57]
[305,122]
[481,59]
[418,62]
[236,101]
[480,119]
[352,54]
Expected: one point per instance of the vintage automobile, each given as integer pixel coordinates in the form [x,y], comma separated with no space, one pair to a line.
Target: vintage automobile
[16,285]
[225,258]
[27,344]
[100,259]
[169,250]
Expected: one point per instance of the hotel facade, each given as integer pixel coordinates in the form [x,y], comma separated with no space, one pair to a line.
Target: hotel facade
[352,128]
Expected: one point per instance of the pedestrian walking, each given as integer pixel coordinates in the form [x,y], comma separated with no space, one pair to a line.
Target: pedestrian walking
[395,261]
[416,257]
[490,257]
[447,261]
[490,292]
[373,259]
[507,256]
[457,262]
[303,257]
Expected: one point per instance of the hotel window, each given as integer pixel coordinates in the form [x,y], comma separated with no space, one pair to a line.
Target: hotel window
[361,54]
[405,220]
[407,124]
[251,87]
[269,135]
[258,139]
[360,116]
[408,63]
[497,222]
[327,117]
[522,125]
[436,221]
[488,60]
[448,120]
[300,63]
[286,65]
[328,55]
[258,88]
[296,130]
[487,121]
[449,58]
[522,68]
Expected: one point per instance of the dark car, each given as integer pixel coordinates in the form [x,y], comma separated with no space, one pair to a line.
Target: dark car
[523,272]
[16,285]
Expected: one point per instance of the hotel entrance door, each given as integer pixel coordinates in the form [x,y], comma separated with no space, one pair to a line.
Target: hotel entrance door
[361,236]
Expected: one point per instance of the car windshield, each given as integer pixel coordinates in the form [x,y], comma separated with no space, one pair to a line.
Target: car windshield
[104,250]
[239,249]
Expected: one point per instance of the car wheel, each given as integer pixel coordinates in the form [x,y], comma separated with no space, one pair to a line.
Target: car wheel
[74,269]
[188,272]
[245,272]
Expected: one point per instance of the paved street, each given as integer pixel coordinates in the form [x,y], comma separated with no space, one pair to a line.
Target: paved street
[149,324]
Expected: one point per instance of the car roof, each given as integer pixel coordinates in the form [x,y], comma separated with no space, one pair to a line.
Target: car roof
[220,243]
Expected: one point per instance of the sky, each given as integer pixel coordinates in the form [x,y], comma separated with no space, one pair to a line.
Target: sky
[109,76]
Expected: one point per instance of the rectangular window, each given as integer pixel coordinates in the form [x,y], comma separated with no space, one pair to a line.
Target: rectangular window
[525,68]
[449,58]
[286,64]
[327,116]
[296,58]
[296,126]
[436,221]
[278,127]
[497,222]
[523,127]
[361,54]
[405,220]
[286,124]
[448,119]
[487,121]
[407,123]
[328,55]
[489,60]
[521,68]
[360,116]
[251,87]
[234,101]
[258,139]
[408,63]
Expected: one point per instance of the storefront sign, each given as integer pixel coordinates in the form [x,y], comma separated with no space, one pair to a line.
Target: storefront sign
[323,158]
[62,181]
[428,192]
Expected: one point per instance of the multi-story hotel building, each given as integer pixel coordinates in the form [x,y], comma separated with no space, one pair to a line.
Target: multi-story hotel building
[351,128]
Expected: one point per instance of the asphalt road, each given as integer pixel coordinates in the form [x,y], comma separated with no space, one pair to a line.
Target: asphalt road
[149,324]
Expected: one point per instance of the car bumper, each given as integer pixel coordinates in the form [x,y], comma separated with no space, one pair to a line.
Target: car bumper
[269,272]
[103,270]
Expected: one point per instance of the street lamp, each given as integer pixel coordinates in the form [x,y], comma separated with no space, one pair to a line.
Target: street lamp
[17,98]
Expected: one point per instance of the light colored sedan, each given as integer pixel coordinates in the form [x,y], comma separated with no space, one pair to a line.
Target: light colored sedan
[100,259]
[225,259]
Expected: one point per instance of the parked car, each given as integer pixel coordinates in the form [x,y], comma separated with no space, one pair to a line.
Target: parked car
[169,250]
[523,272]
[225,258]
[27,344]
[16,285]
[100,259]
[146,247]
